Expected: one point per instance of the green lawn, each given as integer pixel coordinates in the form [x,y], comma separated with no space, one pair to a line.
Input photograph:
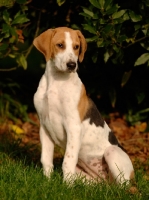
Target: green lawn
[21,178]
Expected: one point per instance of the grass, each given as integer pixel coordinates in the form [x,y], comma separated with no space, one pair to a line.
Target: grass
[21,178]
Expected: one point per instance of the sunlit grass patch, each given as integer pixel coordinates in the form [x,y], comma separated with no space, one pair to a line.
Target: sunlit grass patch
[21,178]
[21,181]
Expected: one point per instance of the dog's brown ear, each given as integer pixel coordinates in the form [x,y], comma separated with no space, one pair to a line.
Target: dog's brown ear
[43,43]
[83,46]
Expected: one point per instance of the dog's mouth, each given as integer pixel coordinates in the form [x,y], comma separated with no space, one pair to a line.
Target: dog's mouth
[71,71]
[66,70]
[71,66]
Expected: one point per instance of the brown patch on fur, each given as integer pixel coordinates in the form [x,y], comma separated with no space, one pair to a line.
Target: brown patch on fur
[83,45]
[110,177]
[43,43]
[47,42]
[132,175]
[83,103]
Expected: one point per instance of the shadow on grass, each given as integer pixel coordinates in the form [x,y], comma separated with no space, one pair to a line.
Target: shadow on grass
[28,153]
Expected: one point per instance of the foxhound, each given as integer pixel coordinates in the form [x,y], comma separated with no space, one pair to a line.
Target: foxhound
[69,119]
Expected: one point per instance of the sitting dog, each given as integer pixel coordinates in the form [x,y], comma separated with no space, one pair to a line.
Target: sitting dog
[69,119]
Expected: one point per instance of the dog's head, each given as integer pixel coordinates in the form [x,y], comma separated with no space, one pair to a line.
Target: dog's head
[64,46]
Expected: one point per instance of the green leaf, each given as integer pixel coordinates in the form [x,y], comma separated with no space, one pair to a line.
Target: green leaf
[12,40]
[7,3]
[125,77]
[144,111]
[112,95]
[6,35]
[118,57]
[102,21]
[146,2]
[107,28]
[94,57]
[13,32]
[107,4]
[118,14]
[22,61]
[5,28]
[122,38]
[145,45]
[142,59]
[1,39]
[134,17]
[112,10]
[117,29]
[20,19]
[95,3]
[118,20]
[17,15]
[85,15]
[145,31]
[116,48]
[89,15]
[106,56]
[88,12]
[137,26]
[126,16]
[6,16]
[3,46]
[140,97]
[92,39]
[101,2]
[100,42]
[89,28]
[60,2]
[12,55]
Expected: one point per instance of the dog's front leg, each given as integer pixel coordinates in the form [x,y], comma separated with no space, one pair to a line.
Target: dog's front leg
[47,150]
[72,151]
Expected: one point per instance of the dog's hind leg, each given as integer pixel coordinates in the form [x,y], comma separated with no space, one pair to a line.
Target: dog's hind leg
[47,150]
[119,163]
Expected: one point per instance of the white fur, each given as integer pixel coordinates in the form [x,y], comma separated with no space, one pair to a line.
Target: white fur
[56,102]
[68,55]
[120,170]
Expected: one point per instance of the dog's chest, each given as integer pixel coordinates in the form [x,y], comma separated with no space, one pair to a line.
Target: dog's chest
[55,104]
[51,116]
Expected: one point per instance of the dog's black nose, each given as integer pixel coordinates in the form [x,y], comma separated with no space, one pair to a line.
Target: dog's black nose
[71,65]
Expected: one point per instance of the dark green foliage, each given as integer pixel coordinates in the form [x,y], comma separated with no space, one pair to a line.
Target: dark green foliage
[115,68]
[116,29]
[10,107]
[11,34]
[118,33]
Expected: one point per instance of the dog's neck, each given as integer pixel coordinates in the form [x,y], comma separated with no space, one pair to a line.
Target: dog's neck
[53,74]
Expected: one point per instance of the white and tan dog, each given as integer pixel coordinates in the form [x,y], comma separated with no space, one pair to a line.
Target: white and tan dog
[69,118]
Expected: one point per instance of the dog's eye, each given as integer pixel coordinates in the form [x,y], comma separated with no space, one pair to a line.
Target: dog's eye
[60,45]
[76,47]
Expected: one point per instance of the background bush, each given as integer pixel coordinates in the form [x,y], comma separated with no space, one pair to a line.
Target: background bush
[115,70]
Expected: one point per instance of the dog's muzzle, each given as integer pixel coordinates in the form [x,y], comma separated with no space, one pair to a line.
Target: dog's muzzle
[71,66]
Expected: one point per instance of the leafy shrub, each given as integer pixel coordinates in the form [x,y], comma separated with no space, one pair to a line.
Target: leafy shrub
[116,64]
[116,29]
[13,22]
[118,33]
[10,107]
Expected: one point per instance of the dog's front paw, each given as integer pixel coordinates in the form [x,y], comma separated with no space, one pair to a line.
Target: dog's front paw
[47,171]
[69,178]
